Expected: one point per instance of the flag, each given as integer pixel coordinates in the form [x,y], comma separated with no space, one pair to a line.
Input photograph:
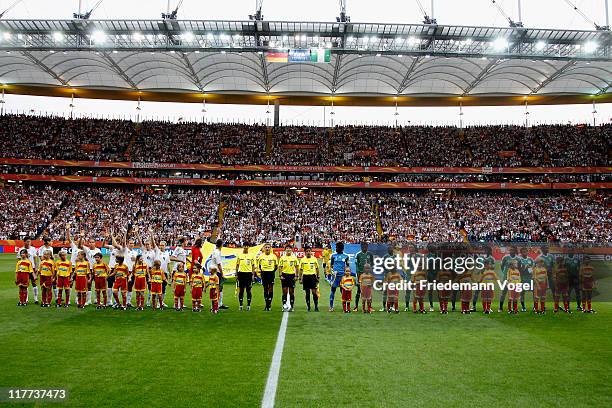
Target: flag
[320,55]
[277,56]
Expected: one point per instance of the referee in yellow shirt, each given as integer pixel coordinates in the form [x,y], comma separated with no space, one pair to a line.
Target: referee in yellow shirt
[245,271]
[288,267]
[309,277]
[267,263]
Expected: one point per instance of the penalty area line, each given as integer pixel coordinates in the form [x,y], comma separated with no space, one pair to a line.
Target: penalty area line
[272,382]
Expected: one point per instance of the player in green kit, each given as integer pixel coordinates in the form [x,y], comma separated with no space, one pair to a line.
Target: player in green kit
[362,258]
[526,265]
[573,270]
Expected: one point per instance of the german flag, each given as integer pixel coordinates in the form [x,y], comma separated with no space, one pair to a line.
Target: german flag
[277,56]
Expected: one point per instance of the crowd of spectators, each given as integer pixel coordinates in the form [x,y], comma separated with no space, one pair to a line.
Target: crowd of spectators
[36,137]
[42,137]
[311,217]
[494,216]
[180,213]
[199,143]
[26,210]
[96,211]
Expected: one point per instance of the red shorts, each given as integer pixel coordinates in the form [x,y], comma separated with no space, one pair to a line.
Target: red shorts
[23,279]
[540,292]
[63,282]
[444,294]
[140,283]
[179,290]
[80,283]
[156,288]
[213,294]
[419,291]
[466,295]
[562,288]
[100,283]
[120,284]
[46,281]
[392,294]
[487,295]
[366,292]
[514,294]
[196,293]
[347,295]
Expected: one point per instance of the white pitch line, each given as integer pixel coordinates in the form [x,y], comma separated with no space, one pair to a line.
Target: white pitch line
[272,383]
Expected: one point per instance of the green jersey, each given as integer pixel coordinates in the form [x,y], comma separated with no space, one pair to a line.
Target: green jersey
[505,264]
[361,259]
[549,261]
[526,265]
[573,266]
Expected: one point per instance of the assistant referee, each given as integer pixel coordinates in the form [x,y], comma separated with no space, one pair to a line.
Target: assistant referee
[267,263]
[309,277]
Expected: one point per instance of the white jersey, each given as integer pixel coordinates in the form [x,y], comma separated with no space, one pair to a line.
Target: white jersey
[216,258]
[42,249]
[180,253]
[113,257]
[148,256]
[74,251]
[129,256]
[164,258]
[90,253]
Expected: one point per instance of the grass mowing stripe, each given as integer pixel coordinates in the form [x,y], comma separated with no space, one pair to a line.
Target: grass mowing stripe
[272,382]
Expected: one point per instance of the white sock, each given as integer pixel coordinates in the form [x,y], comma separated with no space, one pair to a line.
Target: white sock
[109,295]
[221,299]
[54,293]
[88,300]
[129,297]
[36,293]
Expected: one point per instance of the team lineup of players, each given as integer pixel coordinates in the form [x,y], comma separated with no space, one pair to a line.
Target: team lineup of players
[148,274]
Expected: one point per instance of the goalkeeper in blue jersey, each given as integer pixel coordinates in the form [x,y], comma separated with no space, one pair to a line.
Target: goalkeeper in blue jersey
[337,263]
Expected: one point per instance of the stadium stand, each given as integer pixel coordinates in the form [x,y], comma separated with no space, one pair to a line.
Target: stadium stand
[316,216]
[36,137]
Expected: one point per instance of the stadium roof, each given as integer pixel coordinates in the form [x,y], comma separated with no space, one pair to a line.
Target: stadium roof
[183,60]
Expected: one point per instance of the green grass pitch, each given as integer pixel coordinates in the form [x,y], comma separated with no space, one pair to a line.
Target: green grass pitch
[114,358]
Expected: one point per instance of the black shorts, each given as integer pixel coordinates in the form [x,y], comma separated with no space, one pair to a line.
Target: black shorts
[309,282]
[288,280]
[267,277]
[110,281]
[245,279]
